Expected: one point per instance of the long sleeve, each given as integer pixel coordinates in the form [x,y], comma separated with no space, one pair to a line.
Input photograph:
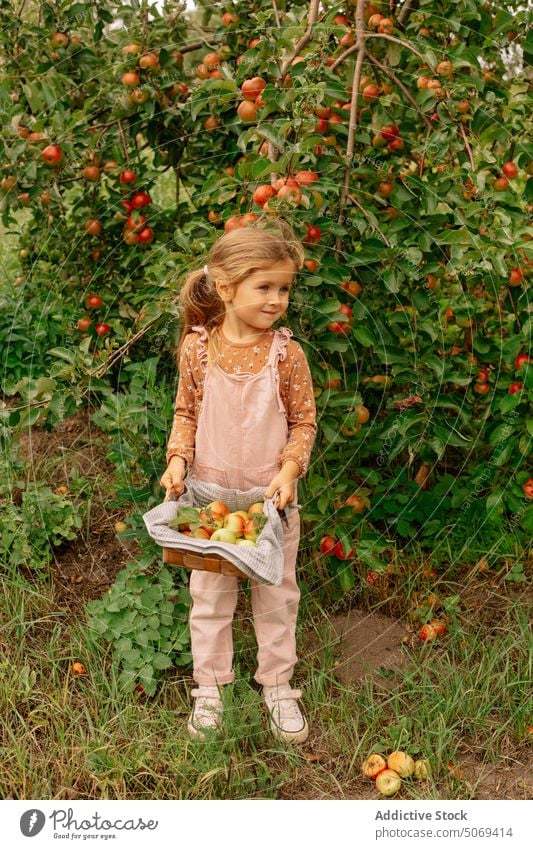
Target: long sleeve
[297,387]
[182,436]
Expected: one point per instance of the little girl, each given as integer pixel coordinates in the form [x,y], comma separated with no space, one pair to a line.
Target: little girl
[245,417]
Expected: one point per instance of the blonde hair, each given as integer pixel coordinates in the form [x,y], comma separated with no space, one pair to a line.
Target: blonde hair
[232,258]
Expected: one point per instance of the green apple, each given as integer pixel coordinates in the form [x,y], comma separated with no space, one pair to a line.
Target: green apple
[422,769]
[257,507]
[223,535]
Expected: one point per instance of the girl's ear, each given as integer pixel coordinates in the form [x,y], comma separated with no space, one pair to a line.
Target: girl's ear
[224,290]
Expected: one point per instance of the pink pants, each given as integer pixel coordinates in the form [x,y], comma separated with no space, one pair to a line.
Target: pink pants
[274,609]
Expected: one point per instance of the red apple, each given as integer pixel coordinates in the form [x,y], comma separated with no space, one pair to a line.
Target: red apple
[520,360]
[235,522]
[427,633]
[501,183]
[250,529]
[93,302]
[390,132]
[146,235]
[131,79]
[84,323]
[306,178]
[263,193]
[327,545]
[127,177]
[515,387]
[102,329]
[510,170]
[313,233]
[140,199]
[215,510]
[516,276]
[52,155]
[251,88]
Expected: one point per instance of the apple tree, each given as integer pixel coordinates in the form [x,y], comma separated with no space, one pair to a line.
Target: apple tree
[394,137]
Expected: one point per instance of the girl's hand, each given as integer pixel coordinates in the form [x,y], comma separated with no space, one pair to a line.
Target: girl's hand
[287,491]
[172,479]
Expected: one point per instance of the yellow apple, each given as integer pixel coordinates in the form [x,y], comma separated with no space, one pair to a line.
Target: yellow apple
[373,765]
[388,782]
[401,763]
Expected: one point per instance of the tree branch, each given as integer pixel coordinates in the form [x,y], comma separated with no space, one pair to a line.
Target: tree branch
[467,146]
[305,39]
[352,121]
[276,14]
[404,13]
[393,38]
[407,94]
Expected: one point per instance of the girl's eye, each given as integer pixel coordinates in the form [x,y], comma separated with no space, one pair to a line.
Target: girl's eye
[283,289]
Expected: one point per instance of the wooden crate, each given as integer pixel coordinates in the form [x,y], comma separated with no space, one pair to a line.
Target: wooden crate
[204,562]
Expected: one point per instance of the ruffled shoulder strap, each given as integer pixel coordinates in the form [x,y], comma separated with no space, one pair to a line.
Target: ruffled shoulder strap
[202,345]
[283,337]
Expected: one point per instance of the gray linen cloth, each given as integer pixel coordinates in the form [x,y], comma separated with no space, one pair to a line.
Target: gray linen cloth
[264,562]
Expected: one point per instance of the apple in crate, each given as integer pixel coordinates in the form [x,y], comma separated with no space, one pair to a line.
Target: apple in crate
[235,522]
[223,535]
[251,530]
[214,510]
[257,507]
[246,542]
[201,533]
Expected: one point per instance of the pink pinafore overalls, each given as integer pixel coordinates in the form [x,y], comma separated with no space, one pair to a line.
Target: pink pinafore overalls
[241,431]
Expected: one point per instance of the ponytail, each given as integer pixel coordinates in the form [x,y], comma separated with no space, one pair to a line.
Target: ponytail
[199,304]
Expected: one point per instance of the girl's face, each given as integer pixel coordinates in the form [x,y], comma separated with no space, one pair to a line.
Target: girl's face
[259,300]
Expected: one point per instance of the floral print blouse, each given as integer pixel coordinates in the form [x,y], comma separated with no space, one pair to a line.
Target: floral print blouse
[296,392]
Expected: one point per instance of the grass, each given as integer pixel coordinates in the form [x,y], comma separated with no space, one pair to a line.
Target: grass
[68,736]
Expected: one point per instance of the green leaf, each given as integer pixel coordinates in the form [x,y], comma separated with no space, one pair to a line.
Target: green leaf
[363,336]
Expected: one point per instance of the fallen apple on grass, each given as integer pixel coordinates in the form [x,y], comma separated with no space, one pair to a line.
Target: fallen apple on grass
[422,769]
[373,765]
[401,763]
[388,782]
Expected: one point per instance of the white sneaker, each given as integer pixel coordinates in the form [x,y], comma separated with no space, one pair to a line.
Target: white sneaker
[286,719]
[207,711]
